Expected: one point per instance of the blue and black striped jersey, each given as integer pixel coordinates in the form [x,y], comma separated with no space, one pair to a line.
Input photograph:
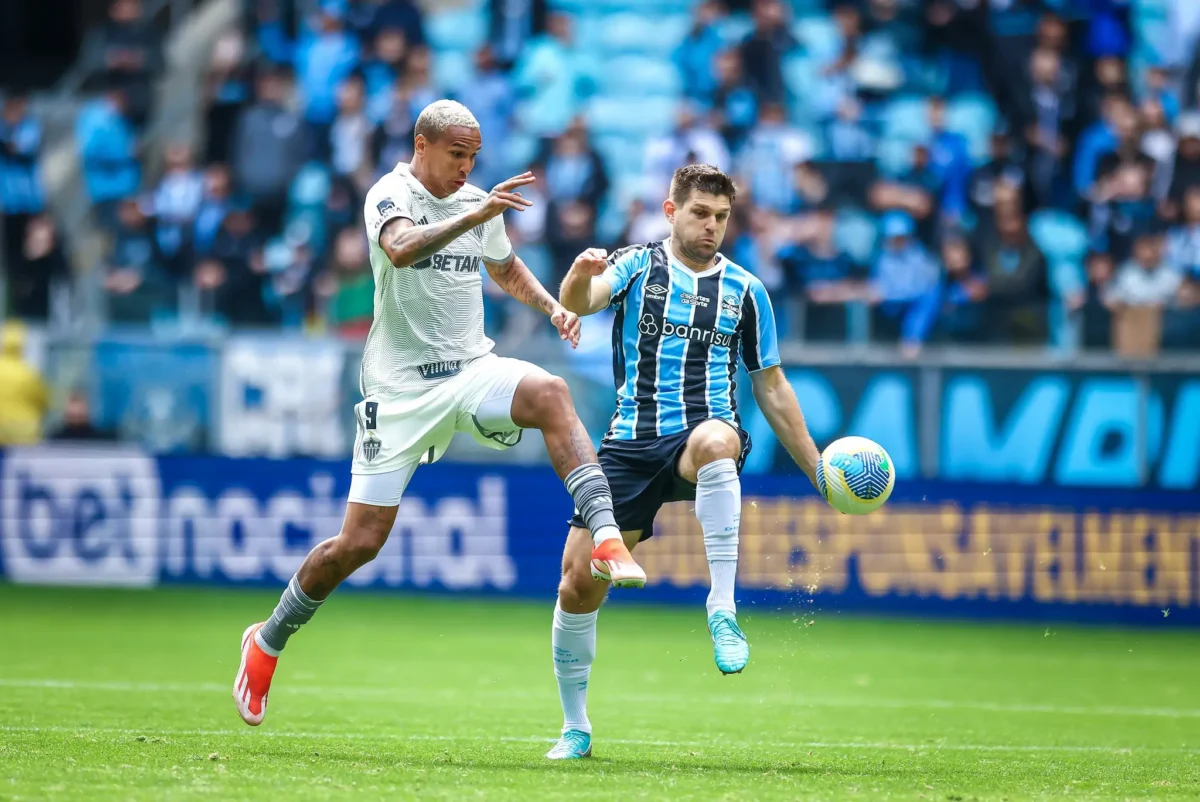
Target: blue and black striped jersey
[677,336]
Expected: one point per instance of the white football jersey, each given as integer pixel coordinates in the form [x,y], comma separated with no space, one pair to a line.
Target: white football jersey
[428,316]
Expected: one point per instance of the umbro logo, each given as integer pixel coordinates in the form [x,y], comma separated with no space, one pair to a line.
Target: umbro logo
[657,292]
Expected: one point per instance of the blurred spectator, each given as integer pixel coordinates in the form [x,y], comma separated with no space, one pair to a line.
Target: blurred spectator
[735,104]
[823,274]
[227,89]
[904,286]
[77,422]
[950,160]
[347,289]
[351,134]
[962,312]
[1096,318]
[322,62]
[1003,169]
[269,146]
[25,398]
[1108,77]
[127,51]
[956,40]
[696,55]
[570,230]
[552,78]
[176,201]
[275,27]
[513,23]
[692,140]
[230,280]
[763,51]
[213,207]
[380,71]
[489,95]
[1017,287]
[1042,117]
[33,269]
[392,142]
[109,151]
[1122,205]
[1158,143]
[21,193]
[574,170]
[1185,172]
[915,192]
[850,140]
[288,263]
[1115,131]
[769,159]
[136,282]
[397,15]
[416,85]
[1146,279]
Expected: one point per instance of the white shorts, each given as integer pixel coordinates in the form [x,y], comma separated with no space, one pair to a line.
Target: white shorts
[396,433]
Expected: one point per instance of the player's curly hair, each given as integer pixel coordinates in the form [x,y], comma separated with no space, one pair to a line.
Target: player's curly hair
[701,178]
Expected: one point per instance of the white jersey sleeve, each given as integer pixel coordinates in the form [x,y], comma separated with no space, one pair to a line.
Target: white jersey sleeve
[496,245]
[388,199]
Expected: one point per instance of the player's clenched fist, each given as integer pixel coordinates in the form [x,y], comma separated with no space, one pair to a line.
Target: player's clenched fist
[505,196]
[591,262]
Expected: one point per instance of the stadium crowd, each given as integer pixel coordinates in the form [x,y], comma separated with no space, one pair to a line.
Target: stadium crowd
[986,171]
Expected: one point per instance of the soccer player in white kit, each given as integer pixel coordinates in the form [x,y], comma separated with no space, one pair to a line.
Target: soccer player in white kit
[428,372]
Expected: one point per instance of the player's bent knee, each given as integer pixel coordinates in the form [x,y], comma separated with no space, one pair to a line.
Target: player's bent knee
[712,442]
[549,402]
[364,533]
[578,592]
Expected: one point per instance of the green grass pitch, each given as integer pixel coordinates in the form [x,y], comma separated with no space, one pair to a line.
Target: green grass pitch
[125,695]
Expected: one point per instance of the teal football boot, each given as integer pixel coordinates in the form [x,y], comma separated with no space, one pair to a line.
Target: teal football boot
[730,650]
[573,745]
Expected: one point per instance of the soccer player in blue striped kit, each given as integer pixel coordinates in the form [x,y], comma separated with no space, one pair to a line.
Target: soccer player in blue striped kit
[684,314]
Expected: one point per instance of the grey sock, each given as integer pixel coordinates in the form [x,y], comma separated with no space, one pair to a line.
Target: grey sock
[588,485]
[294,610]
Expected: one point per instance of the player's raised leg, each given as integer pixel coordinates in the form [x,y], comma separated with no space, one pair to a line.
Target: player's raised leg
[573,640]
[710,462]
[365,529]
[543,401]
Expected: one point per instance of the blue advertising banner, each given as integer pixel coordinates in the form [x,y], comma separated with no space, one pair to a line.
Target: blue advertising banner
[70,515]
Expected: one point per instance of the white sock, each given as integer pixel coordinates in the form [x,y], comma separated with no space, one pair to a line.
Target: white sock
[574,641]
[719,510]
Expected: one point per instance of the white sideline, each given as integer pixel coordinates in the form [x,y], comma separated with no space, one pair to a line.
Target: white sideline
[533,739]
[749,699]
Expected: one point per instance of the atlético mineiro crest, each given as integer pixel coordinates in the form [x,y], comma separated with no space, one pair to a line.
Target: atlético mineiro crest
[370,446]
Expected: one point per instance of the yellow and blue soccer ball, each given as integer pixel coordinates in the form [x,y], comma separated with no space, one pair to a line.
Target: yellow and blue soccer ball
[855,475]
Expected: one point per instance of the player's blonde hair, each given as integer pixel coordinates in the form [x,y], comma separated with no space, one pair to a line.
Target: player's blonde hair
[441,115]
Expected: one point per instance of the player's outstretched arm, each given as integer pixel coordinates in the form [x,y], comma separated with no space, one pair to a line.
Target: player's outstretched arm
[585,291]
[779,405]
[516,279]
[407,243]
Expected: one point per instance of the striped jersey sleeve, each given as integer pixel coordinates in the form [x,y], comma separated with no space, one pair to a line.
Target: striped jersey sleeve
[760,343]
[624,266]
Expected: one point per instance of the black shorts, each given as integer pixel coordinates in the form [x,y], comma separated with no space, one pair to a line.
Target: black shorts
[644,475]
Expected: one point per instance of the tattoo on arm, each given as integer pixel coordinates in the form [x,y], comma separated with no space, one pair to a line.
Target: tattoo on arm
[517,280]
[406,243]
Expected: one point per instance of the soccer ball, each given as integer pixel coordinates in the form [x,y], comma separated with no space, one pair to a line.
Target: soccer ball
[855,475]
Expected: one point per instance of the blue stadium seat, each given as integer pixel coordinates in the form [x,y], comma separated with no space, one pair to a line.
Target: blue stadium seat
[734,28]
[894,156]
[452,69]
[640,76]
[460,29]
[974,116]
[639,116]
[907,118]
[622,155]
[1060,236]
[641,33]
[855,232]
[801,74]
[820,37]
[519,151]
